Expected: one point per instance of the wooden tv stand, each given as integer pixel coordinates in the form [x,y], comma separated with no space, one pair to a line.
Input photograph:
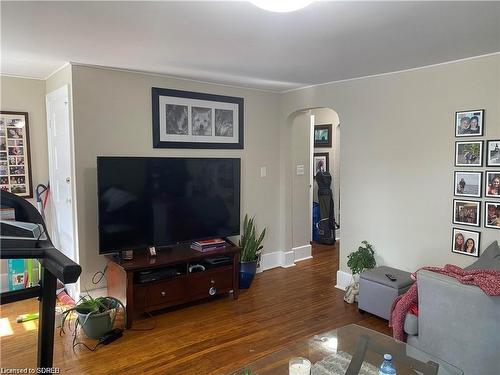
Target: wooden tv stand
[122,278]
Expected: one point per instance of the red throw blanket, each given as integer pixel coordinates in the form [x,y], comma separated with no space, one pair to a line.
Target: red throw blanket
[487,280]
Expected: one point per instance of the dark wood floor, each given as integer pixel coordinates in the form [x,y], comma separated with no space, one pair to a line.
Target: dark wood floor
[283,305]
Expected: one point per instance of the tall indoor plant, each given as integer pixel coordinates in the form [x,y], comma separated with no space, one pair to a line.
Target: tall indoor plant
[358,261]
[251,247]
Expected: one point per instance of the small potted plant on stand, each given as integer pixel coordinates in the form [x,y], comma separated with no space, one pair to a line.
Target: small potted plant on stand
[358,261]
[250,252]
[95,315]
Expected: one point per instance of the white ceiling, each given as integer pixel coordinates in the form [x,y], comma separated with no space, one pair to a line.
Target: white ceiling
[237,43]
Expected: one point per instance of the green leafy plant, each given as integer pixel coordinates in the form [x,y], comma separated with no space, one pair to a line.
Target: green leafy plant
[361,259]
[89,306]
[249,242]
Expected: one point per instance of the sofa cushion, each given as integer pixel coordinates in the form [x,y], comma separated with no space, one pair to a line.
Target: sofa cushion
[411,324]
[489,259]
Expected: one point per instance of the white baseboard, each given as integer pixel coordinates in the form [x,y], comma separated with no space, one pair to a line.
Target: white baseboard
[288,259]
[284,259]
[302,253]
[271,260]
[344,279]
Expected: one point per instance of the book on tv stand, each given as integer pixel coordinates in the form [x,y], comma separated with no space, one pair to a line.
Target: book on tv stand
[209,245]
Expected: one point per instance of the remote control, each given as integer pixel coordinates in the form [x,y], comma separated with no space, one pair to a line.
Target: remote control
[390,277]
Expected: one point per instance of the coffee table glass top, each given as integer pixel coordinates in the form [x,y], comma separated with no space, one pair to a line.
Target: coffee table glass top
[331,353]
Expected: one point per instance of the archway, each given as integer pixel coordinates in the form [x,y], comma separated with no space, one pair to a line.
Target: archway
[301,188]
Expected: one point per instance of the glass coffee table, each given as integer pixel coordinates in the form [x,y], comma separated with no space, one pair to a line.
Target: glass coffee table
[351,349]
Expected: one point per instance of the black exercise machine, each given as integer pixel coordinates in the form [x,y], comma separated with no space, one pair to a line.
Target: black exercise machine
[27,238]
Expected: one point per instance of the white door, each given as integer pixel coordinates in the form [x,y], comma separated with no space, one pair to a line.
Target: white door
[62,211]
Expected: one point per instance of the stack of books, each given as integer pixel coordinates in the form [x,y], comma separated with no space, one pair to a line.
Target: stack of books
[209,245]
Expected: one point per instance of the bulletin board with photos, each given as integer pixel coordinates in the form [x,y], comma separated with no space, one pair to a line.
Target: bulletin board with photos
[15,163]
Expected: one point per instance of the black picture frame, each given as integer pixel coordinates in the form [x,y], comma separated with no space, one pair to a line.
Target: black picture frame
[487,155]
[325,155]
[15,154]
[475,235]
[469,114]
[181,106]
[486,214]
[318,131]
[458,155]
[487,194]
[459,175]
[476,204]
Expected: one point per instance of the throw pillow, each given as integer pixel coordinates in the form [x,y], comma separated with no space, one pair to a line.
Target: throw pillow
[489,259]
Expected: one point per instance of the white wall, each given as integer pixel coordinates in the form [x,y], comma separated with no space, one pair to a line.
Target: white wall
[112,116]
[58,79]
[397,156]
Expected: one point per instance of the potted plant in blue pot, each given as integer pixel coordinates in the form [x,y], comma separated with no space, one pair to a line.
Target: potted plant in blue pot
[251,247]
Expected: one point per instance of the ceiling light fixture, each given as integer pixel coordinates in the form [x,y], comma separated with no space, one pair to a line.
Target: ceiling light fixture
[281,6]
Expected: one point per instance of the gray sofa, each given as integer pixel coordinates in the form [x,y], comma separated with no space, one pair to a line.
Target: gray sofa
[457,323]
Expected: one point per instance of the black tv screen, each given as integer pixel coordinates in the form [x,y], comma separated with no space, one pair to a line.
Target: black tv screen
[152,201]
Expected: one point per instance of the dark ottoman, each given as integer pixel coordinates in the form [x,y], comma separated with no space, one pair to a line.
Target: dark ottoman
[377,292]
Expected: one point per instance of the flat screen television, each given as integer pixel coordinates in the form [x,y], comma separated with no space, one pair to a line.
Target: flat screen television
[154,201]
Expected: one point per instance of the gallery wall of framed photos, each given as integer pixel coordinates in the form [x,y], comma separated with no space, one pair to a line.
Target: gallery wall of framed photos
[476,176]
[15,162]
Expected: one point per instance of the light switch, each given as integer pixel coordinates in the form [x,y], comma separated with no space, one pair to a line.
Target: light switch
[263,171]
[300,169]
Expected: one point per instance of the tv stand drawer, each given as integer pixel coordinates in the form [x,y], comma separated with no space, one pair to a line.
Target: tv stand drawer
[211,282]
[159,294]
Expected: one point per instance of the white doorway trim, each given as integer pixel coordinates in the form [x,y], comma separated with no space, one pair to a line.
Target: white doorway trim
[54,102]
[311,175]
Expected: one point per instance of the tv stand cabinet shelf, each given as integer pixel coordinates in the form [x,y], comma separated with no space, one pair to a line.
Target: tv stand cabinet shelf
[140,297]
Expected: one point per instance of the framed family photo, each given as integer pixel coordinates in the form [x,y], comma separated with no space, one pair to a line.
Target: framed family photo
[466,242]
[492,215]
[185,119]
[466,212]
[492,181]
[468,184]
[469,154]
[321,162]
[493,153]
[323,135]
[15,162]
[469,123]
